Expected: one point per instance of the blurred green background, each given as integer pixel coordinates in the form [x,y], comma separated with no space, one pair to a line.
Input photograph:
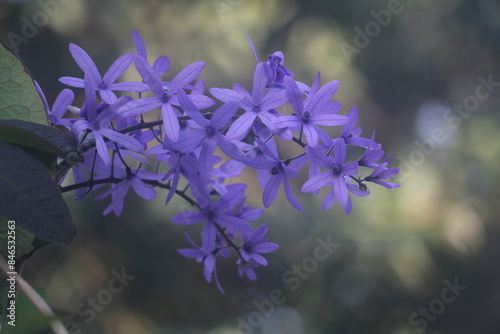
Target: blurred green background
[409,75]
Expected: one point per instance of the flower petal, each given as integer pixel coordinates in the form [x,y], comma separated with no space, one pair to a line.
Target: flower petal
[271,190]
[117,68]
[187,75]
[140,47]
[190,109]
[294,95]
[259,83]
[188,217]
[85,62]
[323,95]
[240,127]
[340,189]
[142,189]
[232,223]
[290,196]
[149,76]
[170,122]
[121,139]
[317,181]
[224,114]
[71,81]
[138,107]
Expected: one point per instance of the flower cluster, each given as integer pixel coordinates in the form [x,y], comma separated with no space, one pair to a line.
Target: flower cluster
[117,143]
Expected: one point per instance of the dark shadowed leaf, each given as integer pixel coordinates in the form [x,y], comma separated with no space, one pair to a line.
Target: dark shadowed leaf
[19,98]
[30,197]
[40,137]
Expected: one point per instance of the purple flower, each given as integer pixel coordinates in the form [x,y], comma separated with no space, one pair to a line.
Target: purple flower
[160,65]
[312,113]
[105,85]
[132,179]
[165,97]
[351,134]
[60,106]
[208,259]
[207,136]
[256,105]
[279,72]
[370,157]
[278,172]
[216,216]
[336,170]
[99,123]
[381,172]
[253,244]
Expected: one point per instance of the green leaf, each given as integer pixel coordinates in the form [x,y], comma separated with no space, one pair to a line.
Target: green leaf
[19,98]
[30,197]
[40,137]
[23,239]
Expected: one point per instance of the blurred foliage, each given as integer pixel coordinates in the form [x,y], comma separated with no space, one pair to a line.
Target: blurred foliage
[397,247]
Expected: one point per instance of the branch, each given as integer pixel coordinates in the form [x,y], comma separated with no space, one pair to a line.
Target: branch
[56,325]
[115,180]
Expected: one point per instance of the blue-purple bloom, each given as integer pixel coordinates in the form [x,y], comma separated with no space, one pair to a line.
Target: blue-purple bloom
[104,85]
[256,105]
[134,179]
[207,136]
[216,216]
[312,113]
[165,95]
[183,144]
[253,244]
[99,123]
[334,176]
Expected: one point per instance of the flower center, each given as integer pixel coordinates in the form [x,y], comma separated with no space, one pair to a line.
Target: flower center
[102,85]
[256,108]
[276,170]
[336,170]
[210,214]
[165,97]
[210,131]
[183,124]
[306,116]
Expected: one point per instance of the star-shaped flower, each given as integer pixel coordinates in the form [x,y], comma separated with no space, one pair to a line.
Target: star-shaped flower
[312,113]
[165,96]
[337,169]
[99,123]
[104,85]
[256,105]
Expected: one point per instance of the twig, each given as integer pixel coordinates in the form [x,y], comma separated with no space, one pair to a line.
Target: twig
[33,296]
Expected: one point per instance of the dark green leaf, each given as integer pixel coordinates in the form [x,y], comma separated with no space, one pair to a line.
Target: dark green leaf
[30,197]
[40,137]
[19,98]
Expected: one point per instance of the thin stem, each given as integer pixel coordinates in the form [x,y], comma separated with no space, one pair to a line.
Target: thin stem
[222,231]
[115,180]
[298,141]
